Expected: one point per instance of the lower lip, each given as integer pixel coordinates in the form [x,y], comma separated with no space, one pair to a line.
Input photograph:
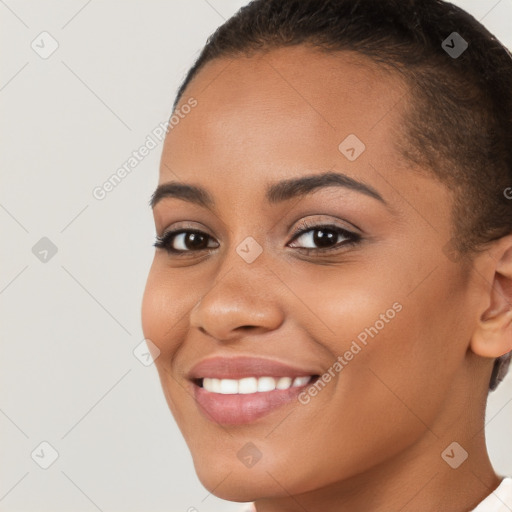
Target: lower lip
[240,409]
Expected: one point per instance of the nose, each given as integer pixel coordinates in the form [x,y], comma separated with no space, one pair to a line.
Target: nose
[244,299]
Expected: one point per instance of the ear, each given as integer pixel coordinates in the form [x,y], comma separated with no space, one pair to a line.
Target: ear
[493,334]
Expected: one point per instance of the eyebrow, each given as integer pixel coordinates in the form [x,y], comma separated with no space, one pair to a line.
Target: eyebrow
[276,192]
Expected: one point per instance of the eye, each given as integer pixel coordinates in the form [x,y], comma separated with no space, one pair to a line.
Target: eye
[183,241]
[317,239]
[324,238]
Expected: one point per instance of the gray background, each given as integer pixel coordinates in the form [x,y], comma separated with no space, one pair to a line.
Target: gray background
[69,325]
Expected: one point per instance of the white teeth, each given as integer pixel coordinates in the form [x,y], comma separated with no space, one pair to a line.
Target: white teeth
[284,383]
[228,386]
[266,384]
[249,385]
[300,381]
[215,385]
[208,383]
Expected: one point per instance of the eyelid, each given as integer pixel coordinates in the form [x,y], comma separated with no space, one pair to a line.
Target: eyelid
[325,220]
[185,225]
[319,227]
[304,222]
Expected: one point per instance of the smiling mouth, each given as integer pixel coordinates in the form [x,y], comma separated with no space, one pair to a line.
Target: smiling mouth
[237,390]
[249,385]
[246,400]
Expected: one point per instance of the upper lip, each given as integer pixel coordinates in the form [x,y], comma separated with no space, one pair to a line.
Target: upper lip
[243,366]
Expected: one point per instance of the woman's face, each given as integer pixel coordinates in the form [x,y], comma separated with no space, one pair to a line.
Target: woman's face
[365,297]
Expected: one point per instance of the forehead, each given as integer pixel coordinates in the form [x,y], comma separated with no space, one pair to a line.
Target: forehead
[298,77]
[283,114]
[292,105]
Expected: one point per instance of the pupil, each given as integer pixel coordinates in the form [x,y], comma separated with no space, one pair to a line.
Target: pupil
[195,241]
[324,238]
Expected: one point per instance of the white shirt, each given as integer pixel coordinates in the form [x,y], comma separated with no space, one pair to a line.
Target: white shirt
[500,500]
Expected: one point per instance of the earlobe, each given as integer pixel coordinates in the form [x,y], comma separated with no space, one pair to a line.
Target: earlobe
[493,337]
[493,334]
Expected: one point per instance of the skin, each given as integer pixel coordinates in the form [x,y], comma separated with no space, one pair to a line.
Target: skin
[372,438]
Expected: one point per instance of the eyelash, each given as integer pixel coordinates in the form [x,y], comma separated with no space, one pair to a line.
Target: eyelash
[165,241]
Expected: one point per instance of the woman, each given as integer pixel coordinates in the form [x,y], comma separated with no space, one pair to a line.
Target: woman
[332,286]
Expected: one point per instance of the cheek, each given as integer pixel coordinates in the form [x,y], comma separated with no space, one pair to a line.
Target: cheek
[151,309]
[160,316]
[400,346]
[161,311]
[396,344]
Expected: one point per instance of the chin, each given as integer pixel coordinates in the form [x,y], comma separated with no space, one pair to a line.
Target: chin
[231,485]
